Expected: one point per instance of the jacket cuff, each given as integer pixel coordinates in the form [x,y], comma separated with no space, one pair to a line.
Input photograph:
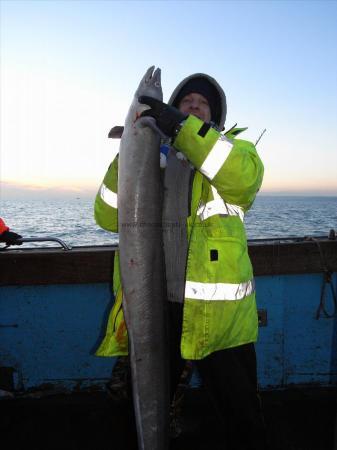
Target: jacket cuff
[195,139]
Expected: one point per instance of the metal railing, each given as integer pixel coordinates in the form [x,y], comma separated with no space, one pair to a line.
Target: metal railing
[331,236]
[44,239]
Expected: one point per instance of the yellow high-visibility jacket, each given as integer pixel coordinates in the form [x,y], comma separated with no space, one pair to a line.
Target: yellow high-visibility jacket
[219,304]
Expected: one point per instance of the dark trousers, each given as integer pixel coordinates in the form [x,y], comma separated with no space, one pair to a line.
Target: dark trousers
[229,376]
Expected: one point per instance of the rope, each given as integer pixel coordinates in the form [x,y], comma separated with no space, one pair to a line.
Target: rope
[327,280]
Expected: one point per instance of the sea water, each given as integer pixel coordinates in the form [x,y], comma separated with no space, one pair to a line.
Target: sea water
[72,220]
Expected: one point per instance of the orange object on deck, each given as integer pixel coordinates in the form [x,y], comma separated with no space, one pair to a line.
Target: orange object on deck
[3,226]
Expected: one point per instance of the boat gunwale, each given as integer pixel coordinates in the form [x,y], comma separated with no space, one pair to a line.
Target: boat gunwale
[94,264]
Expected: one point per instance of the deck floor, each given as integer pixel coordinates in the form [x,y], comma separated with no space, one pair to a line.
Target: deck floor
[297,419]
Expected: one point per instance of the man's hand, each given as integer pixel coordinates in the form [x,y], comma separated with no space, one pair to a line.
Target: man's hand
[10,238]
[167,117]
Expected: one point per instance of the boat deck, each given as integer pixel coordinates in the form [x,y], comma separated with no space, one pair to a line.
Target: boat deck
[297,419]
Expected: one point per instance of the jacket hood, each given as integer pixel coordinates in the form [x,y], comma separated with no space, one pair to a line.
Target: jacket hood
[222,97]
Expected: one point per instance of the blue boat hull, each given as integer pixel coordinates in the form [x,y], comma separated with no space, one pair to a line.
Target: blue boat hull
[49,333]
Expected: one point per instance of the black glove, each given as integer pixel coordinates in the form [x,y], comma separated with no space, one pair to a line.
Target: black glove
[167,117]
[10,238]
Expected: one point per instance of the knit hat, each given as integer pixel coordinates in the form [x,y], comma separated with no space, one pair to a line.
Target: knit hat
[207,87]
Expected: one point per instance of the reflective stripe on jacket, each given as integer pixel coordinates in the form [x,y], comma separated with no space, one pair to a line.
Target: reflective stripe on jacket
[219,305]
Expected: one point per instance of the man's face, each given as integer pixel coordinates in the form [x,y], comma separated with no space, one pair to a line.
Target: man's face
[197,105]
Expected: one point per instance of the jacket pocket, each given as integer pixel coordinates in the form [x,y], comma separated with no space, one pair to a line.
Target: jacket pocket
[228,260]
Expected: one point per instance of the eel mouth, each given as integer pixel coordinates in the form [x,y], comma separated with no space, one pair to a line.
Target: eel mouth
[138,115]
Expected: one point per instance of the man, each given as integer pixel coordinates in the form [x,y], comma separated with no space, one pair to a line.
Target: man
[210,181]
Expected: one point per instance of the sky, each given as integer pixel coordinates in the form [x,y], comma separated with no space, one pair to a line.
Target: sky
[69,70]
